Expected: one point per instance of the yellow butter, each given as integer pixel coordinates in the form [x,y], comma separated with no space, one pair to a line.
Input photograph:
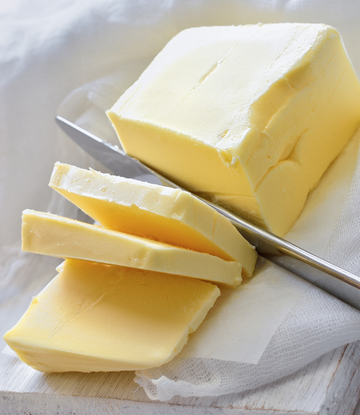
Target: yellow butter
[249,116]
[48,234]
[156,212]
[95,317]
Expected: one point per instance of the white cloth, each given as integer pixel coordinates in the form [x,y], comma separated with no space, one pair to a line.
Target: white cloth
[48,50]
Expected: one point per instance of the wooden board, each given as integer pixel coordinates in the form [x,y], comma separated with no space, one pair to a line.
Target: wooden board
[330,385]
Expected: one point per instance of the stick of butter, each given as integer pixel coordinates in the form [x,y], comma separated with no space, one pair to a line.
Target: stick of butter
[168,215]
[249,117]
[48,234]
[96,317]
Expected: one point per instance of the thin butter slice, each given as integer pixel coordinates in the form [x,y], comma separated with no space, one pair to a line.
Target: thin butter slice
[151,211]
[95,317]
[249,117]
[48,234]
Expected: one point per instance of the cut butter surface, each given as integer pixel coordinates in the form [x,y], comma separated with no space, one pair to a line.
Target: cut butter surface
[249,117]
[48,234]
[95,317]
[161,213]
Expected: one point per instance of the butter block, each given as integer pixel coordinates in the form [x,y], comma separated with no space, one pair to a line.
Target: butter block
[48,234]
[156,212]
[96,317]
[248,117]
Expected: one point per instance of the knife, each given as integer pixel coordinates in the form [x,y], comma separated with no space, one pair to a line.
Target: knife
[335,280]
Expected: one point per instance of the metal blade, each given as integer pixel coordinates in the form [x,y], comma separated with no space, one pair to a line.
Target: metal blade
[110,156]
[335,280]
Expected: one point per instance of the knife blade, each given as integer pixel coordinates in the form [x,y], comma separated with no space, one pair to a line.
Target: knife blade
[331,278]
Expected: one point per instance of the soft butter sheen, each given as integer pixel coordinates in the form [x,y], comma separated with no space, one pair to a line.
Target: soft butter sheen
[249,117]
[48,234]
[160,213]
[95,317]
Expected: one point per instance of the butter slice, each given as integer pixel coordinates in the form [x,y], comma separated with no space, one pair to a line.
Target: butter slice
[151,211]
[48,234]
[249,117]
[95,317]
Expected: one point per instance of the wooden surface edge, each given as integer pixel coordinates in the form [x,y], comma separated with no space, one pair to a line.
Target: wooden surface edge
[344,390]
[340,399]
[13,403]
